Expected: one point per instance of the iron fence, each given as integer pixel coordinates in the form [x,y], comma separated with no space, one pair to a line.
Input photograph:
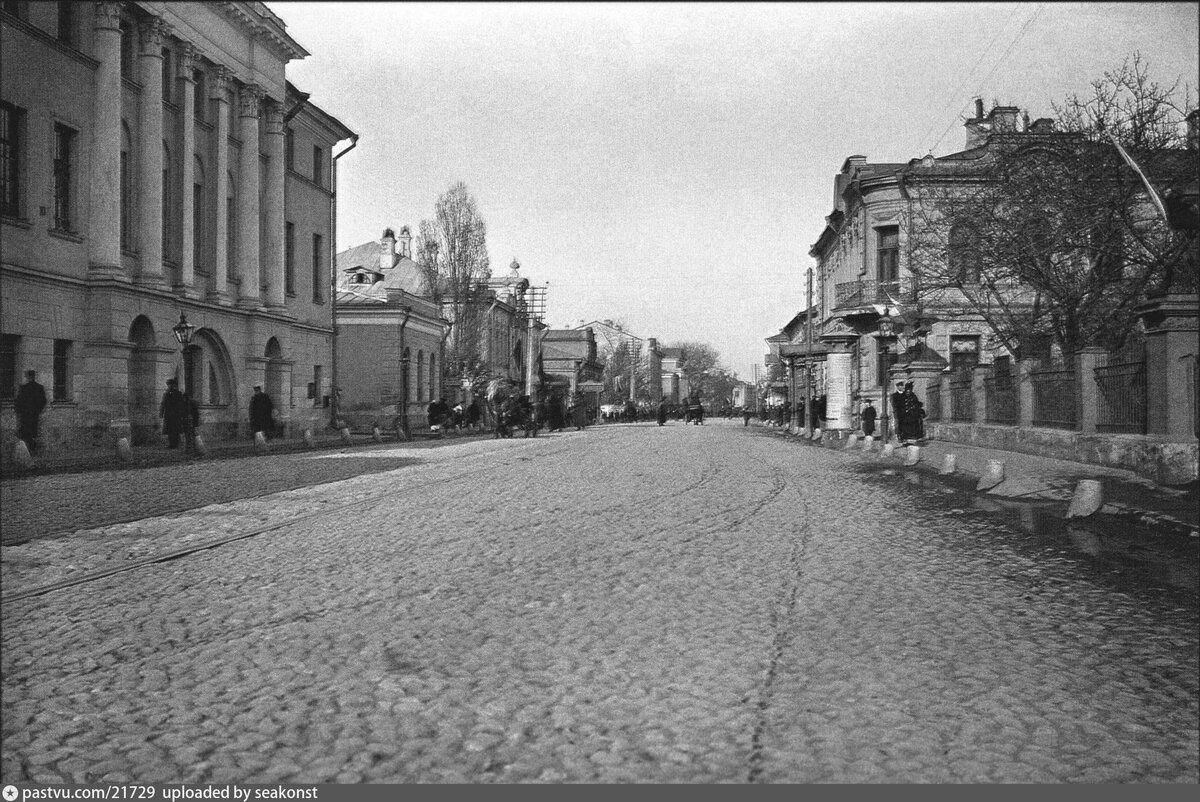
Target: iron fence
[1001,396]
[1121,380]
[862,293]
[962,398]
[933,402]
[1054,403]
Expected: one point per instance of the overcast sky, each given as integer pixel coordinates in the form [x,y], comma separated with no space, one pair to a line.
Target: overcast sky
[670,165]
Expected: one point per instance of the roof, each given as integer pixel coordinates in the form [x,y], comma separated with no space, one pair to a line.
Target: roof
[404,274]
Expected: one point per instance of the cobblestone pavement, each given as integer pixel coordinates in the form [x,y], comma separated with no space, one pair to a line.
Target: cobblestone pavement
[627,603]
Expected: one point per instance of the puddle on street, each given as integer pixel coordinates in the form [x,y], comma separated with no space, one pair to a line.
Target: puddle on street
[1117,550]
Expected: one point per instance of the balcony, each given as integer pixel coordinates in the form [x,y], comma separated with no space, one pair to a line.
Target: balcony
[850,294]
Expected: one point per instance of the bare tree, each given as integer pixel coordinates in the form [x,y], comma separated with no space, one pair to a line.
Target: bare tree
[452,252]
[1050,233]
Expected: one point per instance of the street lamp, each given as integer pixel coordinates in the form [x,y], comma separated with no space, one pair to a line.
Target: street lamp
[887,330]
[183,332]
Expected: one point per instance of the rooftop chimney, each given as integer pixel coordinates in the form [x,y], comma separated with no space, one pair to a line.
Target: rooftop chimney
[387,249]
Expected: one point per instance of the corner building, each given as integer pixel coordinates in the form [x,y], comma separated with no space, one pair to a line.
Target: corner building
[156,162]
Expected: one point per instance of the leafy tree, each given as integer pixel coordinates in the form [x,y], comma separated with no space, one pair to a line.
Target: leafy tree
[1051,233]
[619,357]
[452,252]
[704,372]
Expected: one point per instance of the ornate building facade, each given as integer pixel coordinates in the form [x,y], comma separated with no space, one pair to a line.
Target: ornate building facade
[157,163]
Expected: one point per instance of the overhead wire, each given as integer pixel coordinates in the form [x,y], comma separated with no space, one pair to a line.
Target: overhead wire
[1020,34]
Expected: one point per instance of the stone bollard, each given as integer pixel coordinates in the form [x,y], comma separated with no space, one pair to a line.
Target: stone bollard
[851,441]
[401,435]
[21,456]
[345,433]
[993,476]
[816,434]
[1088,499]
[124,452]
[888,450]
[949,465]
[200,447]
[868,442]
[914,455]
[377,434]
[260,443]
[308,437]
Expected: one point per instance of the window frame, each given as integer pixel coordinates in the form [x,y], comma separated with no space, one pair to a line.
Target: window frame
[12,141]
[62,172]
[887,256]
[62,371]
[318,246]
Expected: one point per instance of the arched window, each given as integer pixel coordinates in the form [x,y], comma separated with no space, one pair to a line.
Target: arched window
[420,375]
[126,188]
[199,216]
[963,255]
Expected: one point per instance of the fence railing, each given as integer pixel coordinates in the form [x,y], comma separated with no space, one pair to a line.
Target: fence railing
[861,293]
[1054,397]
[1121,381]
[1001,399]
[962,398]
[933,403]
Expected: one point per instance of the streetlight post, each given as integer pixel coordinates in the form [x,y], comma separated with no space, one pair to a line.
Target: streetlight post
[887,329]
[183,332]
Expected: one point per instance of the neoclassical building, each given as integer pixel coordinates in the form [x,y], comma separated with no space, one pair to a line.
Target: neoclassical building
[156,162]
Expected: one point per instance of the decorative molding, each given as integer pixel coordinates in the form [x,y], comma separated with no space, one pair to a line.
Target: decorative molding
[108,16]
[274,118]
[250,100]
[153,31]
[221,79]
[187,57]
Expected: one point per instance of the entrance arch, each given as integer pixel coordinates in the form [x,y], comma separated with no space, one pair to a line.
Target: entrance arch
[142,381]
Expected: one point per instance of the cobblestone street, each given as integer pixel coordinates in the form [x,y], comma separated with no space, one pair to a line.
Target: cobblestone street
[624,604]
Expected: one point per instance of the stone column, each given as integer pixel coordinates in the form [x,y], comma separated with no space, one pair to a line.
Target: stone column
[220,93]
[188,56]
[150,150]
[1087,392]
[273,198]
[1025,392]
[249,104]
[946,399]
[979,391]
[104,209]
[1171,347]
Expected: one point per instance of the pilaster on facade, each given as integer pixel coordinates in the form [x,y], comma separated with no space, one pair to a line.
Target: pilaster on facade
[150,122]
[273,197]
[189,57]
[222,81]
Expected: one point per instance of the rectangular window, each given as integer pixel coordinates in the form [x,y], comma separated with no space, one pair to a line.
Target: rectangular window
[316,385]
[11,146]
[289,149]
[64,146]
[66,23]
[8,366]
[62,362]
[126,202]
[199,96]
[168,82]
[318,272]
[964,352]
[127,44]
[199,234]
[318,166]
[888,253]
[289,258]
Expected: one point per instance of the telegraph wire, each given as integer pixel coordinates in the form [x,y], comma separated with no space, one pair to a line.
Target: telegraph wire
[1020,34]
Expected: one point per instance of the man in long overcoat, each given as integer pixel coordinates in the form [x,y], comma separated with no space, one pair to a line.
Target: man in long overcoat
[262,413]
[174,411]
[28,406]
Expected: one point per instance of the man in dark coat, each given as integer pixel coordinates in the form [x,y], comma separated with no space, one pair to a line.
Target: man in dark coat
[912,411]
[174,411]
[261,413]
[868,418]
[662,412]
[897,410]
[28,406]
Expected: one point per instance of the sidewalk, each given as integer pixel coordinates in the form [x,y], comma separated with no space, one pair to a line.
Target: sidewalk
[157,454]
[1034,478]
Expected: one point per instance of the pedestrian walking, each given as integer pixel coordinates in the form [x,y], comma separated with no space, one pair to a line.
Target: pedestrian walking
[173,409]
[897,399]
[745,416]
[911,414]
[28,406]
[868,418]
[471,415]
[262,411]
[662,412]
